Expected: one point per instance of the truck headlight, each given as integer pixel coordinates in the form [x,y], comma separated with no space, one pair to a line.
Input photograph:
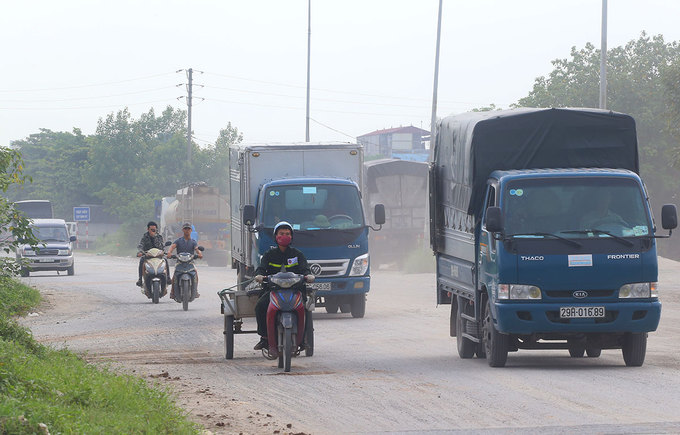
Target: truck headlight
[638,290]
[360,265]
[518,291]
[64,252]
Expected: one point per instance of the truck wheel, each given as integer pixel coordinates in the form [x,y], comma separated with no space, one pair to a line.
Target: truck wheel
[358,306]
[593,352]
[24,272]
[495,344]
[634,348]
[345,308]
[466,348]
[576,350]
[228,337]
[331,305]
[70,271]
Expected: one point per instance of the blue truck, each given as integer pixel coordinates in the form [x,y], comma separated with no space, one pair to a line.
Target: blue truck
[315,187]
[543,234]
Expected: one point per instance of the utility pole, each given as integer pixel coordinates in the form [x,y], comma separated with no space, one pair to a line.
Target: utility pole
[603,58]
[190,73]
[309,45]
[436,78]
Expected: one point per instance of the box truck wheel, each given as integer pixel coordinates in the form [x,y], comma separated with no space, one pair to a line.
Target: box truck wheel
[466,347]
[634,348]
[358,306]
[495,343]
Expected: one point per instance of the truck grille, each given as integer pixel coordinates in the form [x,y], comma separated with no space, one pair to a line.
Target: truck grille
[329,267]
[44,251]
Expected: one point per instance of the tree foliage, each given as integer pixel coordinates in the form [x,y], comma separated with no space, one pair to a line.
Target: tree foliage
[14,227]
[126,165]
[643,77]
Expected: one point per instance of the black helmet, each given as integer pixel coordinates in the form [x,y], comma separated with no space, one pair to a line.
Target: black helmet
[283,224]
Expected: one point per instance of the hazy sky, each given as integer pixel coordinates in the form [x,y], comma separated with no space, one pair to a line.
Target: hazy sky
[68,63]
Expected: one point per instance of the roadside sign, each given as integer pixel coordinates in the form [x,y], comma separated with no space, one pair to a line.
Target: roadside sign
[81,214]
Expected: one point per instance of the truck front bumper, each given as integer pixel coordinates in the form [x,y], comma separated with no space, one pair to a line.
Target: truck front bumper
[531,318]
[341,286]
[56,262]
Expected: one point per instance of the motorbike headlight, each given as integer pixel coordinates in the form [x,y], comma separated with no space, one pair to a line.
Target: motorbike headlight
[149,268]
[518,291]
[638,290]
[64,252]
[285,279]
[359,266]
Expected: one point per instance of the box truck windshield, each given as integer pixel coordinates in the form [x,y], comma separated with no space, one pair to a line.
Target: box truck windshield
[313,207]
[575,208]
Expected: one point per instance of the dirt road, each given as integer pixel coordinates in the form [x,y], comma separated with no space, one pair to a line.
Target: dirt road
[396,370]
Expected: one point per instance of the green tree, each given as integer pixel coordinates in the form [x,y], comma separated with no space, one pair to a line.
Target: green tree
[14,227]
[638,83]
[217,158]
[56,161]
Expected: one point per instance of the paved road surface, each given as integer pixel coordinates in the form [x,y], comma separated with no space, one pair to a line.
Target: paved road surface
[396,370]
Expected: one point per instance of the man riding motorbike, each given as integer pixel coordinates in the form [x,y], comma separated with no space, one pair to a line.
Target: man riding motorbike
[184,244]
[294,261]
[150,239]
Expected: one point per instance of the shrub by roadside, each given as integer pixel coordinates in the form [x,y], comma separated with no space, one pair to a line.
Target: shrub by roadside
[42,389]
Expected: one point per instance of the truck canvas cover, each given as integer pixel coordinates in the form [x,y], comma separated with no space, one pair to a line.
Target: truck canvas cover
[472,145]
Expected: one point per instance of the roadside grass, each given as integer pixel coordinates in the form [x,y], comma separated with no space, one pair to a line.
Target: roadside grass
[42,389]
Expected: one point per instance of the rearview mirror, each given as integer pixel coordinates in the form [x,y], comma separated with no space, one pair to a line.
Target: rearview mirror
[379,214]
[669,217]
[494,220]
[249,215]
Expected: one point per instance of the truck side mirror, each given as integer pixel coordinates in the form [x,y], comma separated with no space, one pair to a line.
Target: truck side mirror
[669,217]
[72,239]
[379,215]
[249,215]
[494,220]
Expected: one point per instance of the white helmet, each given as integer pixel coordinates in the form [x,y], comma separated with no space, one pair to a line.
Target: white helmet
[283,224]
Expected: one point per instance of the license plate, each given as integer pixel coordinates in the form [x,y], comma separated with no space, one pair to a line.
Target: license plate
[581,312]
[323,286]
[45,260]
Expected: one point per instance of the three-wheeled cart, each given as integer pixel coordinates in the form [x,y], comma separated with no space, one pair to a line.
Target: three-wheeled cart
[240,304]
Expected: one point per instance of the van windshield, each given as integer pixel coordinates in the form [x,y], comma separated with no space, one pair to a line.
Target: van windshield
[575,208]
[313,207]
[51,234]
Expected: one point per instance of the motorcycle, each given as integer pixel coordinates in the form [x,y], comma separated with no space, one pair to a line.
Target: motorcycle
[289,318]
[184,280]
[154,275]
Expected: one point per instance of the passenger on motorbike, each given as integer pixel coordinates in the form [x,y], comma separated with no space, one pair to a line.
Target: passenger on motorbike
[283,255]
[150,239]
[184,244]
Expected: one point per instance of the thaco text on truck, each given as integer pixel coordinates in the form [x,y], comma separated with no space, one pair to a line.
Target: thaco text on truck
[543,234]
[315,187]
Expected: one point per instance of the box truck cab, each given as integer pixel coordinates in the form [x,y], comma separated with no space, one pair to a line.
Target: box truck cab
[556,257]
[315,187]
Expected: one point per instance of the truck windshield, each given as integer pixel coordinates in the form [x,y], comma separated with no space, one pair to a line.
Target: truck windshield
[51,234]
[313,207]
[575,208]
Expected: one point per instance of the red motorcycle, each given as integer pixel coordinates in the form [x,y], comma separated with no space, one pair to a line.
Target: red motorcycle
[289,318]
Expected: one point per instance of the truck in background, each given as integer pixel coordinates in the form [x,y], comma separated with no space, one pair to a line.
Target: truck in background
[207,210]
[315,187]
[526,253]
[401,186]
[35,208]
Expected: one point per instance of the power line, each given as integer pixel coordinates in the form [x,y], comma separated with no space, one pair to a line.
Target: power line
[333,129]
[88,98]
[84,107]
[88,85]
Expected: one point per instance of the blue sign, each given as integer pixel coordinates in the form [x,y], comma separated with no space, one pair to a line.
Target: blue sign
[81,214]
